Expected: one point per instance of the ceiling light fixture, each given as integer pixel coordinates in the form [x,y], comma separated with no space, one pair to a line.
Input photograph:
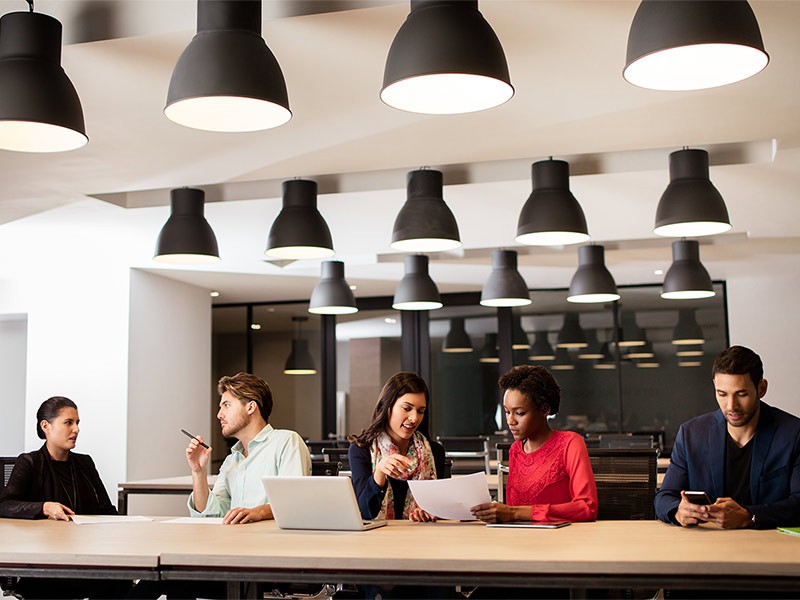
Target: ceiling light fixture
[457,339]
[592,281]
[186,238]
[489,351]
[519,339]
[425,223]
[505,286]
[299,231]
[690,206]
[299,361]
[643,351]
[607,362]
[541,349]
[689,350]
[416,290]
[332,295]
[690,363]
[227,79]
[680,45]
[687,278]
[551,216]
[630,333]
[688,331]
[571,334]
[593,349]
[445,59]
[39,108]
[563,361]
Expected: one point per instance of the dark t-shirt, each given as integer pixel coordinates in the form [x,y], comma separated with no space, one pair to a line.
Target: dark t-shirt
[737,471]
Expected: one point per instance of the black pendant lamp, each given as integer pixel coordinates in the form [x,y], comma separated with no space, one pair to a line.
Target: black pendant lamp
[519,339]
[571,334]
[299,361]
[505,286]
[332,295]
[688,331]
[651,362]
[608,361]
[693,45]
[227,79]
[489,351]
[541,349]
[299,231]
[686,350]
[416,290]
[445,59]
[551,216]
[593,349]
[39,108]
[643,351]
[425,223]
[592,281]
[687,278]
[690,206]
[563,361]
[457,339]
[186,237]
[630,333]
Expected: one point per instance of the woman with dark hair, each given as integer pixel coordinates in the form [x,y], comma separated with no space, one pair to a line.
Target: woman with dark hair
[550,476]
[393,449]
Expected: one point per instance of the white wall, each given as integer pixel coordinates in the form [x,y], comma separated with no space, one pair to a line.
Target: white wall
[13,350]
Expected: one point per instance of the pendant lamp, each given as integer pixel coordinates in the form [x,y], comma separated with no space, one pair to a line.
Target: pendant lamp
[592,281]
[607,362]
[643,351]
[541,349]
[457,339]
[445,59]
[519,339]
[690,206]
[299,231]
[186,237]
[693,45]
[686,350]
[505,286]
[551,216]
[690,363]
[416,290]
[425,223]
[687,278]
[648,363]
[593,349]
[563,361]
[332,295]
[489,351]
[299,361]
[571,334]
[39,108]
[630,333]
[688,331]
[227,79]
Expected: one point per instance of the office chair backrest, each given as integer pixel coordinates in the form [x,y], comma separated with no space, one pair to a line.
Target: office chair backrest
[7,464]
[325,468]
[469,453]
[626,482]
[337,455]
[502,449]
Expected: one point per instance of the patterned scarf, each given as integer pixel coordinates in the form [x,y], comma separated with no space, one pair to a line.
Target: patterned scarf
[422,467]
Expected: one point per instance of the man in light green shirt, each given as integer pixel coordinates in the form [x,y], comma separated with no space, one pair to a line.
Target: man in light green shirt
[238,494]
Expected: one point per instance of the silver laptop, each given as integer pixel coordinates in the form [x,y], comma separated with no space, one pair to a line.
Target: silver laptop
[326,503]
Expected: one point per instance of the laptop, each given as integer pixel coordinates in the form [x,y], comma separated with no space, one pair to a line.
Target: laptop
[326,503]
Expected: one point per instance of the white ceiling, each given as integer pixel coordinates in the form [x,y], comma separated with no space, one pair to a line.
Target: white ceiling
[571,102]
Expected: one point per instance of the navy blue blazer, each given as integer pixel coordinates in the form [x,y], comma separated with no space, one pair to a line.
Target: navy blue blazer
[698,463]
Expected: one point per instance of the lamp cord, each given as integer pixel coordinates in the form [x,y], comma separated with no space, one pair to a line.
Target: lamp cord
[30,4]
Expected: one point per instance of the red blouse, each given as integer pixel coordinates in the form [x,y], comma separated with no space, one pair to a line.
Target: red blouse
[556,481]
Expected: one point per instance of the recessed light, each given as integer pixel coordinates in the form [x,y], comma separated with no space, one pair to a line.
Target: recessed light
[214,294]
[390,320]
[658,272]
[255,326]
[353,287]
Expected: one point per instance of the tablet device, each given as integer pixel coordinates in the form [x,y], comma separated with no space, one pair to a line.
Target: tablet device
[532,524]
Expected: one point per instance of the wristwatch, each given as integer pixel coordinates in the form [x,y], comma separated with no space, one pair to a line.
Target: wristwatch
[752,520]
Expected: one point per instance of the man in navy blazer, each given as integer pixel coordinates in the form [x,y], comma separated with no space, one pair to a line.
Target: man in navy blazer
[745,456]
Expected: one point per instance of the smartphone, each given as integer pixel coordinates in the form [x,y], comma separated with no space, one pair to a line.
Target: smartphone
[697,497]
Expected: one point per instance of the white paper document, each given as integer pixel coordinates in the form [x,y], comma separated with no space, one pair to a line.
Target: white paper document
[195,521]
[451,498]
[105,519]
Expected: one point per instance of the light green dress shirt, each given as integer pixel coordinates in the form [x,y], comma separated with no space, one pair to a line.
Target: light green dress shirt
[271,452]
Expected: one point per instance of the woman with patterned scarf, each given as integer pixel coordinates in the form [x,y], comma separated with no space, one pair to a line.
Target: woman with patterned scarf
[394,449]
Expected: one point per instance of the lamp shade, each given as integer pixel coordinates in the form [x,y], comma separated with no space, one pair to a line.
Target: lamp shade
[630,333]
[694,45]
[186,237]
[592,281]
[541,349]
[299,361]
[571,334]
[39,108]
[519,339]
[299,231]
[643,351]
[227,79]
[687,278]
[691,205]
[457,339]
[551,216]
[416,290]
[563,361]
[332,295]
[425,223]
[593,349]
[607,362]
[489,351]
[505,286]
[686,350]
[688,331]
[445,59]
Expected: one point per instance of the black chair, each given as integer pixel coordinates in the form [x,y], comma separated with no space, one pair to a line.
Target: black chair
[7,464]
[626,482]
[337,455]
[315,447]
[448,469]
[502,449]
[325,467]
[469,453]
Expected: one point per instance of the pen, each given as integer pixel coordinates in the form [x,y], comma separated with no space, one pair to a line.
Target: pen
[203,444]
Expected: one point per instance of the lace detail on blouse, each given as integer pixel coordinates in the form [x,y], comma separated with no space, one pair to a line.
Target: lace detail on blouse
[530,474]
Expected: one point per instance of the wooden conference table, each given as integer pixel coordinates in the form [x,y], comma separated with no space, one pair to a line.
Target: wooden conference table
[584,555]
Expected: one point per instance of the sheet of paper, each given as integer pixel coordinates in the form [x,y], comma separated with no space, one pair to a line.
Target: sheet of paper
[451,498]
[105,519]
[195,521]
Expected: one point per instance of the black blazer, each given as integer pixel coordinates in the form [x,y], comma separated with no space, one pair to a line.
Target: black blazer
[33,482]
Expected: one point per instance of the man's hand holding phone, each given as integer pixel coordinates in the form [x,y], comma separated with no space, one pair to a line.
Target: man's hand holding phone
[693,508]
